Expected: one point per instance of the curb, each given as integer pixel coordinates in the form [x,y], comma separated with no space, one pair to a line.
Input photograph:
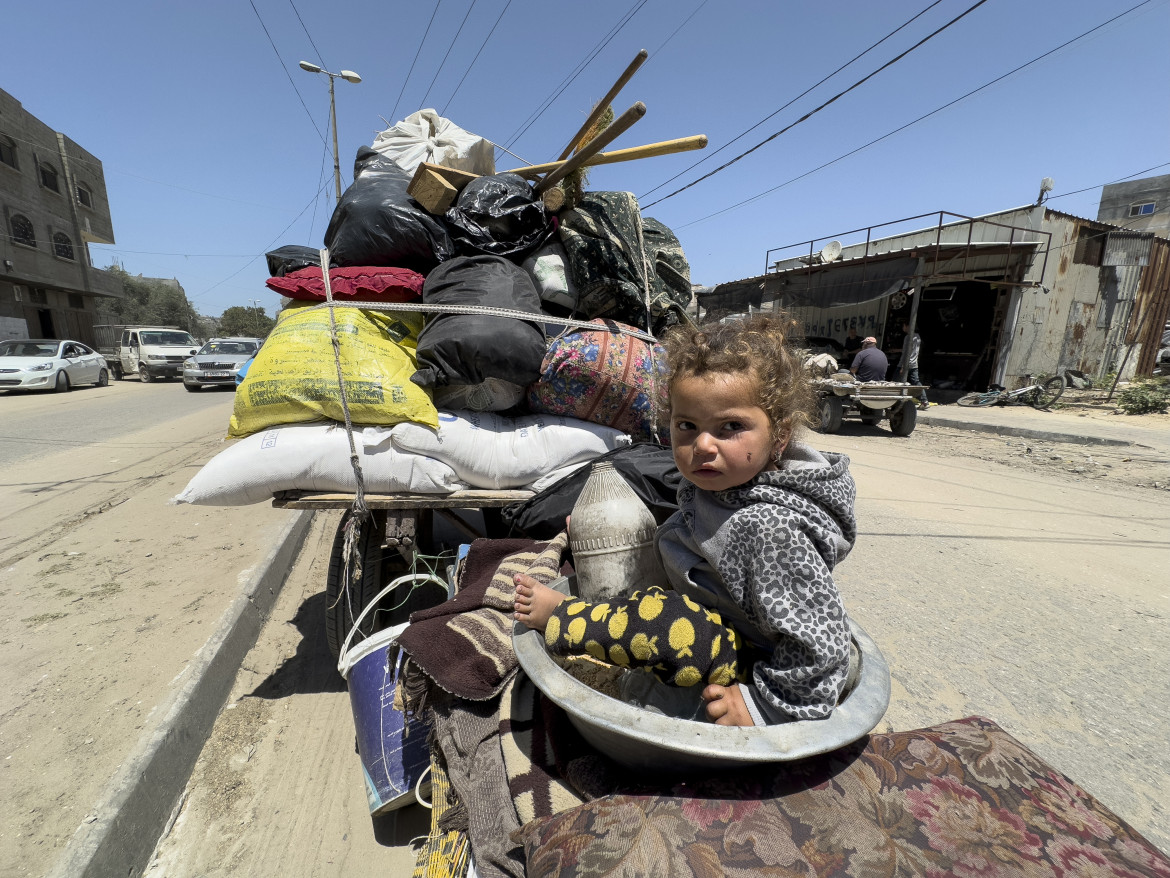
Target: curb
[1022,432]
[137,803]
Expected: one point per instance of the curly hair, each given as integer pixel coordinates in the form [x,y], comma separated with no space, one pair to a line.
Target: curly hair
[756,345]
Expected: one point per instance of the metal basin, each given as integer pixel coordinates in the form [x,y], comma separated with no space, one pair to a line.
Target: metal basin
[649,741]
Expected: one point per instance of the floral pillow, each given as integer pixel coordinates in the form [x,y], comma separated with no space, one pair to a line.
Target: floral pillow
[351,284]
[964,798]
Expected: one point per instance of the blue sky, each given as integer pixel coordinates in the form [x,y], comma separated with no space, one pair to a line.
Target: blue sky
[216,146]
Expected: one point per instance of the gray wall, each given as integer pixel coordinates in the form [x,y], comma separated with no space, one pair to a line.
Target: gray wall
[1117,198]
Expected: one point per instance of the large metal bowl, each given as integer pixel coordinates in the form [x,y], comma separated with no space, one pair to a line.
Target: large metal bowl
[649,741]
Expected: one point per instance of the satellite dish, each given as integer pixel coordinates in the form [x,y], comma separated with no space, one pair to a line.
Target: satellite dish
[831,251]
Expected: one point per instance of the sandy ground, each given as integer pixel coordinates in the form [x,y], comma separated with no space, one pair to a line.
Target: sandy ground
[1023,585]
[107,593]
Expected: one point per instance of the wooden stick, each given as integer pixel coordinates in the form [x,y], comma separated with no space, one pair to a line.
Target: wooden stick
[620,125]
[665,147]
[639,59]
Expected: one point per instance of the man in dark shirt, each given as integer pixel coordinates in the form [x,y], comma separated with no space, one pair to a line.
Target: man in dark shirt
[870,364]
[852,342]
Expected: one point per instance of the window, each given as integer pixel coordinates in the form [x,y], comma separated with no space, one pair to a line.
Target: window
[1144,209]
[22,231]
[76,300]
[8,151]
[1090,246]
[84,196]
[62,246]
[49,177]
[38,296]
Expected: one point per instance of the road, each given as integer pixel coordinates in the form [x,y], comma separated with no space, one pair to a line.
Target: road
[1035,599]
[106,591]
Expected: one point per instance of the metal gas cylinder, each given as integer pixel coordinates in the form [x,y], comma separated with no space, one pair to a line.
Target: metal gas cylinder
[611,533]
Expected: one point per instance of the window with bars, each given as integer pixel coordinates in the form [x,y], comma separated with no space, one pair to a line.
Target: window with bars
[22,231]
[49,177]
[62,246]
[8,151]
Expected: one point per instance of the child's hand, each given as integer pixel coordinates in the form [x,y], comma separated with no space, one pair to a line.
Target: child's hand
[726,707]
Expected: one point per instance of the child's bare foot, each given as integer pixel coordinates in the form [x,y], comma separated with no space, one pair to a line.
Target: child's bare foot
[535,601]
[725,706]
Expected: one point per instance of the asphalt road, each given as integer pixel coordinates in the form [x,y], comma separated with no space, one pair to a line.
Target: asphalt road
[33,425]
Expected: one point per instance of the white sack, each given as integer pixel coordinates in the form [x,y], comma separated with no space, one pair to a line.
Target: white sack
[426,136]
[554,282]
[490,451]
[312,457]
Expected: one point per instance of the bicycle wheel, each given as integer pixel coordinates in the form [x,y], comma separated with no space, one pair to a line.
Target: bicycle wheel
[991,397]
[1048,392]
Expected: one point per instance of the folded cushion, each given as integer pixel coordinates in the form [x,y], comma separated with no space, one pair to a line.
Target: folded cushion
[355,283]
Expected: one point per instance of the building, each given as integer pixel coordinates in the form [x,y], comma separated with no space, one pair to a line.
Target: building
[53,203]
[1024,292]
[1141,205]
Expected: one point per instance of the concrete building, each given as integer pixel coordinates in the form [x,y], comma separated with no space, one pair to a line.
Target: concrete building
[1027,291]
[1142,205]
[52,204]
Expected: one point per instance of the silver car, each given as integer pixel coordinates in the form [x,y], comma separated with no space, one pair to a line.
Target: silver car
[50,364]
[217,362]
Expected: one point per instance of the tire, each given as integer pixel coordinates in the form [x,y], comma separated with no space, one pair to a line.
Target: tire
[1048,393]
[103,379]
[871,419]
[144,374]
[903,419]
[979,399]
[343,605]
[190,388]
[61,385]
[832,414]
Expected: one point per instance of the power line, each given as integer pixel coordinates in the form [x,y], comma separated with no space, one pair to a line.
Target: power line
[1110,183]
[417,52]
[813,112]
[743,134]
[443,112]
[915,121]
[309,35]
[312,121]
[447,54]
[674,33]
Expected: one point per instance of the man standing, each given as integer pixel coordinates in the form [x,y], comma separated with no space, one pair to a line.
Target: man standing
[870,364]
[910,348]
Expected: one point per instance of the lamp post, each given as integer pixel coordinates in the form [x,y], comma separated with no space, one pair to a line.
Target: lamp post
[348,76]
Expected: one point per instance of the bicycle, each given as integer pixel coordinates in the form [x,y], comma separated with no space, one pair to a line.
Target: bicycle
[1040,394]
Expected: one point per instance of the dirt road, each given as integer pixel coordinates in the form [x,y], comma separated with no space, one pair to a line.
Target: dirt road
[107,594]
[1033,595]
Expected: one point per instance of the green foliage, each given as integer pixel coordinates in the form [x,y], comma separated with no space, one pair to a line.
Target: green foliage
[249,322]
[1145,396]
[152,301]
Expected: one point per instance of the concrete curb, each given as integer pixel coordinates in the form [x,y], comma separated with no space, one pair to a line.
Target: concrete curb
[137,803]
[1022,432]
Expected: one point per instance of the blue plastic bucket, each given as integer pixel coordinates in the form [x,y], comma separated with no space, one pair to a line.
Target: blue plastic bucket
[392,745]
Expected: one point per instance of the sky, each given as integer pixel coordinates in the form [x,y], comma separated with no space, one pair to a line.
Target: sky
[216,146]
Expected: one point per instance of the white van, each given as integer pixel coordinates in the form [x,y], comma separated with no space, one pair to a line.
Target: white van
[152,352]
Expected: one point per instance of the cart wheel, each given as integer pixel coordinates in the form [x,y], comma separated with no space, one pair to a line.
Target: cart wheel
[871,418]
[902,420]
[343,605]
[832,413]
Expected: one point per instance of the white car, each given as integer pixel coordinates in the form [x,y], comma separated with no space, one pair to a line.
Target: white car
[218,362]
[50,364]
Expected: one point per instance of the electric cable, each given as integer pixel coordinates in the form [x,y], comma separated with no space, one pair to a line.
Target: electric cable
[417,52]
[443,112]
[1110,183]
[687,21]
[813,112]
[447,54]
[264,27]
[743,134]
[913,122]
[309,35]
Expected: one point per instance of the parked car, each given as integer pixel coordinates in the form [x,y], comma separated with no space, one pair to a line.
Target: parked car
[217,362]
[50,364]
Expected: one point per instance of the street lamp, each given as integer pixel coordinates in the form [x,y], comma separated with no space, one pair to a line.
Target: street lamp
[348,76]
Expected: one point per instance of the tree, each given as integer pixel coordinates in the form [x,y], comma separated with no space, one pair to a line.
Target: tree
[151,301]
[249,322]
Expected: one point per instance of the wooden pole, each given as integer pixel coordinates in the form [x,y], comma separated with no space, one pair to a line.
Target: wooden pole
[620,125]
[639,59]
[665,147]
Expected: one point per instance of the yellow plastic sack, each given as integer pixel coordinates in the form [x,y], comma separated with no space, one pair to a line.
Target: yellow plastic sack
[294,377]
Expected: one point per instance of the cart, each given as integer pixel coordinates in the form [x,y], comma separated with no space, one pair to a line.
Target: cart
[869,401]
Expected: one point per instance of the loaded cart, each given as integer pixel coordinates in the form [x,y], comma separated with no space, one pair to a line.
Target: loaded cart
[870,401]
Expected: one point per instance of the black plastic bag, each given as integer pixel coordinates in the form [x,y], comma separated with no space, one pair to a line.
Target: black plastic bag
[291,257]
[648,469]
[469,348]
[500,215]
[378,223]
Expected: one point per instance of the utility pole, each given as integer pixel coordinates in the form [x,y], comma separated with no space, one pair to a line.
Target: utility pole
[348,76]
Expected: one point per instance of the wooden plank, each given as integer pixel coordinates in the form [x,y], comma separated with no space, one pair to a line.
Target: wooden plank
[436,187]
[593,147]
[626,76]
[471,499]
[665,147]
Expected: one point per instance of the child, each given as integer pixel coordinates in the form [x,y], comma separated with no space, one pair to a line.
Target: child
[762,521]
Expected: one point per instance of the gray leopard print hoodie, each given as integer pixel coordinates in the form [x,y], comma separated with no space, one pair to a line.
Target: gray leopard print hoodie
[762,555]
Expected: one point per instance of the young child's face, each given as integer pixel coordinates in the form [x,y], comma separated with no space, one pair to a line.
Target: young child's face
[719,436]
